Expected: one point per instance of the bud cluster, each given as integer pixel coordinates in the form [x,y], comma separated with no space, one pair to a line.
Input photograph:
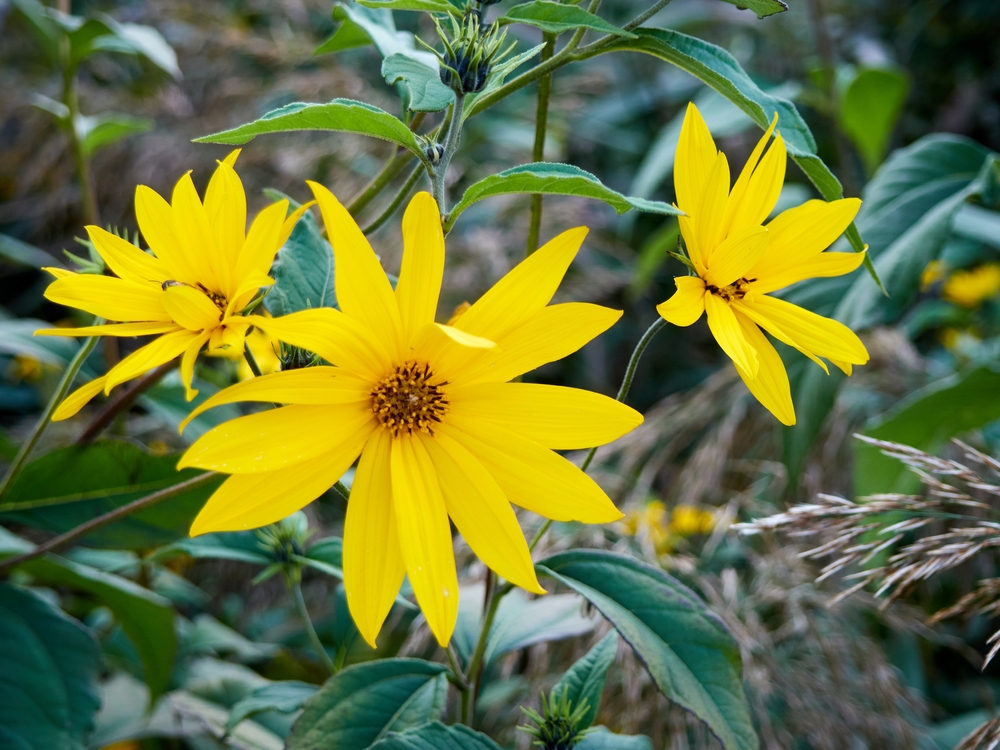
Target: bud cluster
[470,52]
[559,725]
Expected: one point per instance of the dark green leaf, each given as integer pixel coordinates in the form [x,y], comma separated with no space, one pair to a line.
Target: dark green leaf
[869,109]
[585,679]
[13,250]
[107,128]
[17,337]
[47,30]
[326,555]
[286,697]
[971,221]
[552,179]
[302,271]
[437,736]
[424,90]
[361,26]
[206,635]
[68,486]
[344,115]
[242,546]
[687,650]
[146,618]
[763,8]
[427,6]
[603,739]
[555,18]
[362,703]
[50,664]
[167,400]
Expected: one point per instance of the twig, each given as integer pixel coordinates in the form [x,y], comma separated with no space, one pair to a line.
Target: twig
[123,401]
[300,607]
[538,153]
[396,201]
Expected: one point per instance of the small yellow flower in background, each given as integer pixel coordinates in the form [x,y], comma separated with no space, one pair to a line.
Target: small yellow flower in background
[933,272]
[970,288]
[688,520]
[25,369]
[738,262]
[663,529]
[441,432]
[204,269]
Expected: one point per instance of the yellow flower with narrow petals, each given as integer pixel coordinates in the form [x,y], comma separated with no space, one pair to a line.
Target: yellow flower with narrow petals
[738,262]
[204,269]
[972,287]
[441,432]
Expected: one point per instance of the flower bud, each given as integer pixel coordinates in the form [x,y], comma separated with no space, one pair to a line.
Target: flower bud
[470,53]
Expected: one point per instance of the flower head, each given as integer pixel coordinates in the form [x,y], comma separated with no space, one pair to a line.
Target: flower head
[737,262]
[441,433]
[972,287]
[190,292]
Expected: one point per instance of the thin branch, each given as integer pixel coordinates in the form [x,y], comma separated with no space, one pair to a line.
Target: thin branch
[303,611]
[538,153]
[404,191]
[123,401]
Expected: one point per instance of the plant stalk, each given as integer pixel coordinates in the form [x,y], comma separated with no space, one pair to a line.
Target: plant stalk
[251,360]
[397,200]
[300,607]
[538,153]
[380,181]
[452,136]
[64,540]
[43,421]
[474,671]
[84,172]
[123,401]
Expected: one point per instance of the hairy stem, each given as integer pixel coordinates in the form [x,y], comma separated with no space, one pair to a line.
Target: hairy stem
[404,191]
[538,153]
[121,403]
[64,540]
[380,182]
[452,135]
[43,421]
[635,23]
[303,611]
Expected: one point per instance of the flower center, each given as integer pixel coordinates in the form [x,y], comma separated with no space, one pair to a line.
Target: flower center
[737,290]
[406,401]
[217,297]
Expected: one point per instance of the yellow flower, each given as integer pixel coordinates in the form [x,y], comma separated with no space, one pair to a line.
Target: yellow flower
[973,287]
[688,520]
[933,272]
[24,368]
[265,351]
[738,262]
[650,521]
[440,431]
[204,269]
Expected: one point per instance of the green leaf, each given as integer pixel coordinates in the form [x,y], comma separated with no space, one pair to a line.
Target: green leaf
[763,8]
[17,337]
[427,6]
[555,18]
[362,703]
[343,115]
[497,76]
[207,636]
[148,43]
[241,546]
[68,486]
[47,30]
[13,250]
[971,221]
[286,697]
[604,739]
[302,271]
[686,649]
[50,664]
[168,401]
[437,736]
[326,555]
[361,26]
[870,106]
[107,128]
[422,83]
[585,679]
[552,179]
[146,618]
[925,420]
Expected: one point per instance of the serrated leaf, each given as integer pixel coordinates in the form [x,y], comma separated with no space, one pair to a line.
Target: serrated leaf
[424,90]
[50,664]
[763,8]
[362,703]
[555,18]
[553,179]
[303,271]
[687,650]
[437,736]
[343,115]
[287,697]
[109,127]
[585,679]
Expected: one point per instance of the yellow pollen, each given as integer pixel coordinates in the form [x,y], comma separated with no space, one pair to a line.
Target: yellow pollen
[737,290]
[407,401]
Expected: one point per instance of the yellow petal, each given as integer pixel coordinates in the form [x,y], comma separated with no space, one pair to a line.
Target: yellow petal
[423,264]
[482,513]
[59,273]
[187,364]
[77,399]
[822,265]
[693,164]
[226,208]
[737,254]
[770,385]
[191,308]
[551,415]
[451,352]
[425,535]
[524,291]
[726,330]
[111,329]
[800,233]
[687,304]
[108,297]
[262,243]
[743,309]
[312,386]
[291,221]
[156,222]
[229,337]
[814,333]
[246,291]
[709,215]
[756,193]
[363,289]
[125,259]
[531,475]
[157,352]
[332,335]
[249,501]
[278,438]
[373,560]
[193,231]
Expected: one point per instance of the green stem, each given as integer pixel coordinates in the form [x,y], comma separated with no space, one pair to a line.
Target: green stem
[342,489]
[251,360]
[380,181]
[452,136]
[63,540]
[538,153]
[397,200]
[300,607]
[84,171]
[473,673]
[635,23]
[43,422]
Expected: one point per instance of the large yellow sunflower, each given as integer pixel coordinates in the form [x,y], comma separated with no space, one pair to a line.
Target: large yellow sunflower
[737,262]
[204,269]
[440,431]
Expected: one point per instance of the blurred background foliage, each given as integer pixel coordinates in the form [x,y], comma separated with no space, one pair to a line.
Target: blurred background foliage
[903,97]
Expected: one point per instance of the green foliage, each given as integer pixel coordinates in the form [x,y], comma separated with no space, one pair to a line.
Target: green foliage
[555,18]
[436,736]
[584,681]
[603,739]
[362,24]
[107,128]
[763,8]
[13,250]
[286,697]
[424,91]
[361,704]
[687,650]
[303,271]
[870,106]
[428,6]
[50,665]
